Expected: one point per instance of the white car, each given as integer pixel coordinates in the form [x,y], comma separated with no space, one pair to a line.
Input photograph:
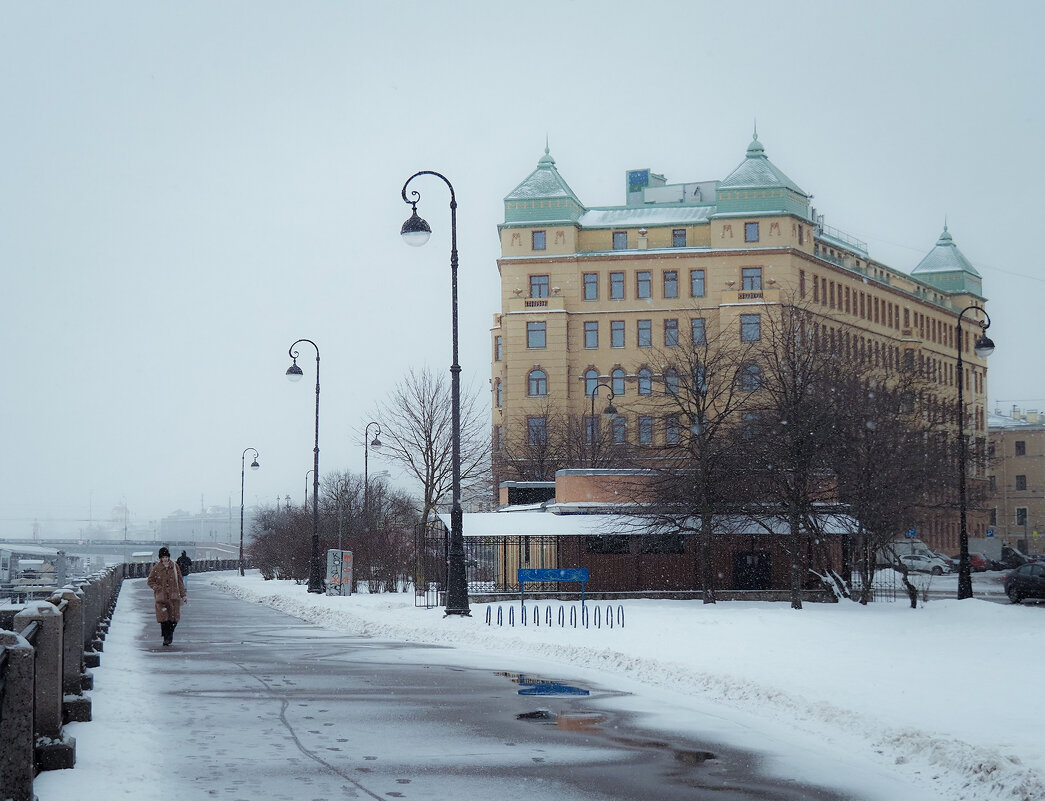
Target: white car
[923,563]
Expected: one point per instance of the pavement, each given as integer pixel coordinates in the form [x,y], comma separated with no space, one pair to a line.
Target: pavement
[252,704]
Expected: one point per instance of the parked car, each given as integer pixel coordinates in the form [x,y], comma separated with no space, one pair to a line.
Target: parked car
[1026,581]
[922,563]
[977,561]
[1011,557]
[950,560]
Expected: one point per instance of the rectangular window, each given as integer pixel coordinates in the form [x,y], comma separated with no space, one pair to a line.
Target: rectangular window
[1021,483]
[750,327]
[751,279]
[662,543]
[1021,448]
[696,283]
[616,333]
[608,543]
[616,286]
[678,237]
[671,430]
[751,232]
[992,518]
[536,430]
[671,283]
[671,333]
[620,430]
[643,288]
[801,283]
[536,334]
[1021,515]
[539,240]
[538,286]
[499,391]
[497,438]
[645,430]
[645,329]
[591,429]
[498,349]
[591,286]
[698,333]
[620,240]
[591,334]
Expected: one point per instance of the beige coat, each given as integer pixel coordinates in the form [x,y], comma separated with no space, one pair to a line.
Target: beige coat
[168,589]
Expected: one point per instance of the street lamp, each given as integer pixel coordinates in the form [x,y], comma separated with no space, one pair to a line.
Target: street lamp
[315,570]
[307,474]
[367,445]
[242,476]
[984,347]
[416,232]
[610,411]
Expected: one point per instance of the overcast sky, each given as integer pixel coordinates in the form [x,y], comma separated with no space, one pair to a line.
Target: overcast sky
[189,187]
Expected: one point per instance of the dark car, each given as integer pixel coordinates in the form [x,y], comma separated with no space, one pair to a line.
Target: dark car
[1011,557]
[1026,581]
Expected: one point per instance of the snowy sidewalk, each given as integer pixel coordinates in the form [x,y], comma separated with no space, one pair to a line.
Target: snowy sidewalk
[881,702]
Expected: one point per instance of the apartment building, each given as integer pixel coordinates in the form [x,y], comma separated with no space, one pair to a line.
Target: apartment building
[1016,507]
[590,295]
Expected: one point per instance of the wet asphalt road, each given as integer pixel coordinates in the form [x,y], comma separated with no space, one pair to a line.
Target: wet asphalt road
[270,707]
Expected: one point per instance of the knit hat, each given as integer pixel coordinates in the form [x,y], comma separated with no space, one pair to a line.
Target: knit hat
[164,552]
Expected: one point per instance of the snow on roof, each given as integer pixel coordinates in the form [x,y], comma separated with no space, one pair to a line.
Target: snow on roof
[656,215]
[28,550]
[545,524]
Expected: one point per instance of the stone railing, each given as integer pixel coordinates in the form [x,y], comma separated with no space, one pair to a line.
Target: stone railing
[46,650]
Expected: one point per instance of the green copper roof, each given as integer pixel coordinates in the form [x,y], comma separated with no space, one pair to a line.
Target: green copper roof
[544,196]
[758,172]
[758,185]
[945,267]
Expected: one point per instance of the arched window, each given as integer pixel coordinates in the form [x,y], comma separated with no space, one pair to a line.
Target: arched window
[671,381]
[537,383]
[617,377]
[645,381]
[591,380]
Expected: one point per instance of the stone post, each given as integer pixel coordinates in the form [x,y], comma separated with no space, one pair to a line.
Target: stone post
[17,761]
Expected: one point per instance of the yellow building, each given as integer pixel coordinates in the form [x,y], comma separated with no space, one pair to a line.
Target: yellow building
[590,295]
[1017,502]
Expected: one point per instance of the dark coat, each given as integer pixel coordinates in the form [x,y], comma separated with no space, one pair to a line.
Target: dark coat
[184,563]
[168,590]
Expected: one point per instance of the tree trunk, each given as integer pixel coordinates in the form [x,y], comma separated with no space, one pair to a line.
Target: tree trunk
[707,567]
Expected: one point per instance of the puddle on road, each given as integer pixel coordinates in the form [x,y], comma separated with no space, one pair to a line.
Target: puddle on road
[590,722]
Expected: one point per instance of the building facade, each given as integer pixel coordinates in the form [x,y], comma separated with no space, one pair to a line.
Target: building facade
[1016,507]
[590,295]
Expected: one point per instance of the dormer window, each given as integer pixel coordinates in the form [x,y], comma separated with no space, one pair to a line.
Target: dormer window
[540,239]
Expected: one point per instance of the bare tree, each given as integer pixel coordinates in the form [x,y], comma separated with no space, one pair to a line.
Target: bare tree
[416,432]
[692,483]
[790,429]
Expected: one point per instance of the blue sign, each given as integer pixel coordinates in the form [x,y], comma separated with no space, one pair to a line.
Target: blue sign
[554,574]
[990,532]
[912,533]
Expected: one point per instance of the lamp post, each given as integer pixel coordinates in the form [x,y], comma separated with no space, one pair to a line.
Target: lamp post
[315,569]
[242,481]
[367,445]
[984,347]
[610,410]
[339,487]
[416,232]
[307,474]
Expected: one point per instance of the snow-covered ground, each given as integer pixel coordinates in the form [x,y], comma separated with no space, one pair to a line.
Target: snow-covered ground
[942,700]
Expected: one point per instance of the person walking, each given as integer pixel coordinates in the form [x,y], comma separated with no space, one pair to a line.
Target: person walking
[184,565]
[168,589]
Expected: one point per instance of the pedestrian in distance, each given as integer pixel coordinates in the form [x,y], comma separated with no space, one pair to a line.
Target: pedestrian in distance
[184,565]
[168,589]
